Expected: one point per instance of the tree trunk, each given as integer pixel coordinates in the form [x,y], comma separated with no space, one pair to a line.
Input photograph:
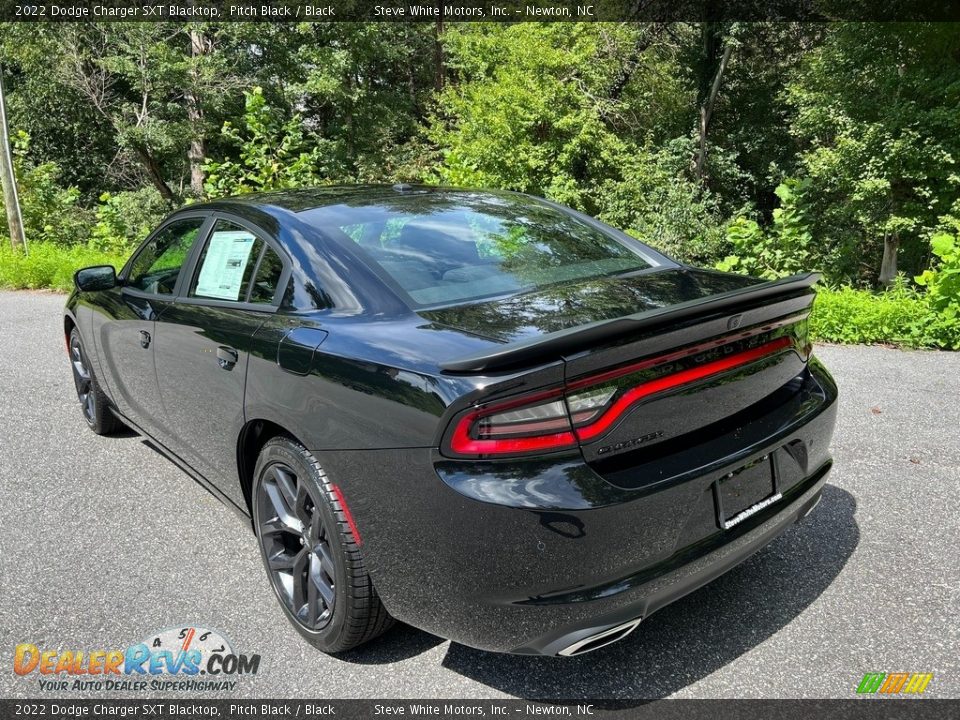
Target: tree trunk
[153,172]
[197,153]
[706,110]
[11,201]
[888,266]
[438,70]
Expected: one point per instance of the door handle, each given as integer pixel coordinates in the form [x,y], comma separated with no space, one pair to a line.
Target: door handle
[227,357]
[144,339]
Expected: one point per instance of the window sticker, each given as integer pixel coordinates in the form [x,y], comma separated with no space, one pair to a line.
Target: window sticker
[227,256]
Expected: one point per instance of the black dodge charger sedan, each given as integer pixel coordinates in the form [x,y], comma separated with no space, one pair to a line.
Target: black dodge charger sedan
[480,413]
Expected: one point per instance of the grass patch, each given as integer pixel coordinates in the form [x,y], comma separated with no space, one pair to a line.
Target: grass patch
[899,316]
[49,266]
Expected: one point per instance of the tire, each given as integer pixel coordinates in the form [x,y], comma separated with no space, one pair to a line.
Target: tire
[94,404]
[310,554]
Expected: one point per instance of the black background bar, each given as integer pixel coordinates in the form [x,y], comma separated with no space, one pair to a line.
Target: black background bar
[863,708]
[477,10]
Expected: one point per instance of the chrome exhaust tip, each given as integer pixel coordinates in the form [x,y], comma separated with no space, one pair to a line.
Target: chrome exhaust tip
[600,639]
[811,507]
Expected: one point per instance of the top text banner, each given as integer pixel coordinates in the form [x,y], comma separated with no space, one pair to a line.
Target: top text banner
[477,11]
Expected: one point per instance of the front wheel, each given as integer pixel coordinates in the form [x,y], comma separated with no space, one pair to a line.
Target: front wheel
[93,402]
[310,553]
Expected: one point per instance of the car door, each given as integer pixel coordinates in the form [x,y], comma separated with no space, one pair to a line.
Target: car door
[125,331]
[202,343]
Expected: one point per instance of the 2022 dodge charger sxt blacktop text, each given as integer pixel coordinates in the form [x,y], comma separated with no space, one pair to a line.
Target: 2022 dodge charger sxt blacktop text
[480,413]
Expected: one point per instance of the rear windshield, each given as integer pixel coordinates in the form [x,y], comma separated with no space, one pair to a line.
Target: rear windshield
[451,248]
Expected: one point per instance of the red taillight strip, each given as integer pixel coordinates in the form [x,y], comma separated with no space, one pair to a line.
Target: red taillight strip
[668,382]
[687,352]
[461,441]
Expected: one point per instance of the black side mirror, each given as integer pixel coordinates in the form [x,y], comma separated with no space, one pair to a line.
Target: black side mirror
[98,277]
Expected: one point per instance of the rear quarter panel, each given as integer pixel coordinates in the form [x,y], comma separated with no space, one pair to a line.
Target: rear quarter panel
[370,383]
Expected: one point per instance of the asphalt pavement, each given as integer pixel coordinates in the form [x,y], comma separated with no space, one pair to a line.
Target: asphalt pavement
[103,542]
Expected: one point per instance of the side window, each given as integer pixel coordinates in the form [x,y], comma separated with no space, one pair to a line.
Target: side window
[227,263]
[268,277]
[156,267]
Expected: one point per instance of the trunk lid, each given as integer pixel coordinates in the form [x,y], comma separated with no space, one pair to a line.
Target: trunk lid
[559,307]
[651,382]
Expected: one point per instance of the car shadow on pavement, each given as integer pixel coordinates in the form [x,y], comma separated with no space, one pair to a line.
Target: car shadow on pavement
[124,432]
[401,643]
[696,635]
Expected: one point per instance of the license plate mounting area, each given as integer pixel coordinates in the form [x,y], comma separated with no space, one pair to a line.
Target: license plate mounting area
[746,490]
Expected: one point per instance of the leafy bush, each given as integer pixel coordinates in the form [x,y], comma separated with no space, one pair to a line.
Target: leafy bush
[899,316]
[943,279]
[49,265]
[655,201]
[126,218]
[51,212]
[274,153]
[784,250]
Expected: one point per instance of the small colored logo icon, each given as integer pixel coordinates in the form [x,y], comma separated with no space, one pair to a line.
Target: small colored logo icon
[894,683]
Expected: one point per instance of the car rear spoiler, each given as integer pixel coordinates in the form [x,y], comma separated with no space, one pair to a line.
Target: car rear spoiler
[557,344]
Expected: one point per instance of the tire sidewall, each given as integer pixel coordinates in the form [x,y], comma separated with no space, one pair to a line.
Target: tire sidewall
[282,450]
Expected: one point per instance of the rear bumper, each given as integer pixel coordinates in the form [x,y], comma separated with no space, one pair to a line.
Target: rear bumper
[534,557]
[637,597]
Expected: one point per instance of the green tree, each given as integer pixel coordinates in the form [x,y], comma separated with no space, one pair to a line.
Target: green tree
[274,153]
[595,116]
[876,117]
[143,98]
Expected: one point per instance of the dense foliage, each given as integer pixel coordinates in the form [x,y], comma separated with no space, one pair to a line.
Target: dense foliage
[763,148]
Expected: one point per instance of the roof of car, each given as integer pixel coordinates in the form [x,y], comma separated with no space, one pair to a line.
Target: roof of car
[302,200]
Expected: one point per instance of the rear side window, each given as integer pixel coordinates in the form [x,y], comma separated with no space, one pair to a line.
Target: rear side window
[157,265]
[268,277]
[227,263]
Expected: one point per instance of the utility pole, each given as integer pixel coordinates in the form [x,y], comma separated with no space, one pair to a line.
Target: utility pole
[11,201]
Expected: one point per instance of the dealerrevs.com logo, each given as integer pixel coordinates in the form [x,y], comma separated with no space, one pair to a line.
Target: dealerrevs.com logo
[175,659]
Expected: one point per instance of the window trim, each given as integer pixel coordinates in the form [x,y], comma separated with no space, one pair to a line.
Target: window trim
[202,232]
[183,288]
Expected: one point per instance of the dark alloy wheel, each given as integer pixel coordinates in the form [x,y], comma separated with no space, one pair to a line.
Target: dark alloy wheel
[295,546]
[310,552]
[93,402]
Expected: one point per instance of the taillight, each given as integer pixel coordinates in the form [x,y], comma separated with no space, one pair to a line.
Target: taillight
[629,393]
[589,407]
[533,424]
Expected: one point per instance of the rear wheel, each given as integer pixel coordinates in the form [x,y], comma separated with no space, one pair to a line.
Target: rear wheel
[93,402]
[310,553]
